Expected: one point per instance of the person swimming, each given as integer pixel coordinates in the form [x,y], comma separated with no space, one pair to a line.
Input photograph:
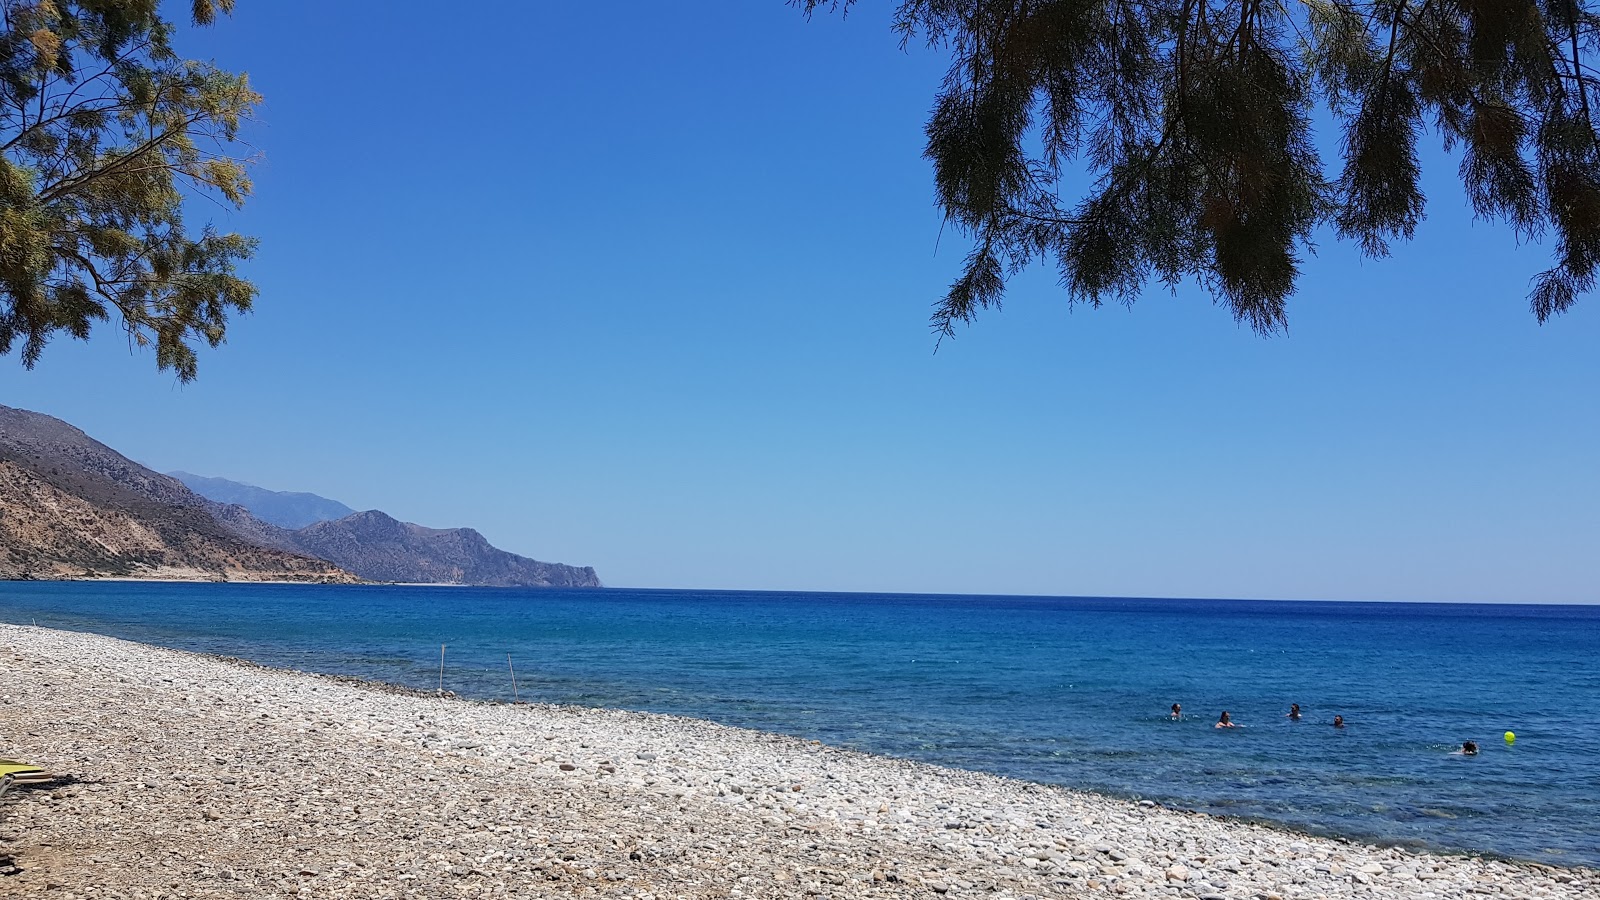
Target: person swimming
[1225,721]
[1338,721]
[1177,711]
[1469,748]
[1294,712]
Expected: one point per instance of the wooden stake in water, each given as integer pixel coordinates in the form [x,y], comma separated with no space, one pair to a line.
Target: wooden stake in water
[515,697]
[441,670]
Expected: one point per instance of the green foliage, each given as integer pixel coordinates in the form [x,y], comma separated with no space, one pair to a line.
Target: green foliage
[105,134]
[1191,122]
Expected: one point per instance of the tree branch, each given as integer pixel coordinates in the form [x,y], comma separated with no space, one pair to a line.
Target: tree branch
[56,190]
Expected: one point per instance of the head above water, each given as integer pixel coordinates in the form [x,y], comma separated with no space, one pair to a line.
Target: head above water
[1469,748]
[1338,721]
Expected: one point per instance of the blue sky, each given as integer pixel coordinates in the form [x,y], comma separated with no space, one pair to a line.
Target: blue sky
[646,287]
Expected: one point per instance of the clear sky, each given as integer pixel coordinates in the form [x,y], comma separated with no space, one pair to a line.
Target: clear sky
[645,286]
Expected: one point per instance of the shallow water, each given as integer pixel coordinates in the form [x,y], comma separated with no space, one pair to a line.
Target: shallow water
[1068,691]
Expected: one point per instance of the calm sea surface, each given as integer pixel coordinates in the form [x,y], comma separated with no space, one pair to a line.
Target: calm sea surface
[1066,691]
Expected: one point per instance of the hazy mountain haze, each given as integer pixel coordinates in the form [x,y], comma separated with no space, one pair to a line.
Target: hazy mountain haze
[286,509]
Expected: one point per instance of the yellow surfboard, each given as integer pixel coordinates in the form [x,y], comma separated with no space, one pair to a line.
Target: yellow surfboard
[24,773]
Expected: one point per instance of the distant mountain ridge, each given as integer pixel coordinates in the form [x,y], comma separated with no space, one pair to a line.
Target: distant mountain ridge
[379,547]
[285,509]
[71,507]
[375,545]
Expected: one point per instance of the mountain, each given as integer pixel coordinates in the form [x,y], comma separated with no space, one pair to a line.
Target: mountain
[281,508]
[71,507]
[379,547]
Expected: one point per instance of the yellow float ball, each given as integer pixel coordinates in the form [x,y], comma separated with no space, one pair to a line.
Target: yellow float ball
[1511,737]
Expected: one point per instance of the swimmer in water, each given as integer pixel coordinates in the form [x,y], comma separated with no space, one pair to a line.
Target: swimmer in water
[1225,722]
[1294,712]
[1338,721]
[1177,711]
[1469,748]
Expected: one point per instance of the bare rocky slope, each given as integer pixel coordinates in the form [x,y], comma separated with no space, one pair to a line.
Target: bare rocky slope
[71,507]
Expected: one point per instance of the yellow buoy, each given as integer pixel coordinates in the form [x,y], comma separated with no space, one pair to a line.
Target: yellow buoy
[1511,737]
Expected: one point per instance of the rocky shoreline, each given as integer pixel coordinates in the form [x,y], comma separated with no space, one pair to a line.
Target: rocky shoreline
[194,776]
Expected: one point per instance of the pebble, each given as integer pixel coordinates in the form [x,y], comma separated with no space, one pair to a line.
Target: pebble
[195,777]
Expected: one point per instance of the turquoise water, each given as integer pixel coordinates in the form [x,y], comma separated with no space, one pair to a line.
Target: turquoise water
[1066,691]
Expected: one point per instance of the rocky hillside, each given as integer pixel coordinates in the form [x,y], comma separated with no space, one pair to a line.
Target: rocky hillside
[379,547]
[71,507]
[285,509]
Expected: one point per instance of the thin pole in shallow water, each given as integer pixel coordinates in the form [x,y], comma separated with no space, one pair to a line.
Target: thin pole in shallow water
[441,670]
[515,697]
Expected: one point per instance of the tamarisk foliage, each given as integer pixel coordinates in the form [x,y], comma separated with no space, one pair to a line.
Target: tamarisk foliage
[105,134]
[1190,125]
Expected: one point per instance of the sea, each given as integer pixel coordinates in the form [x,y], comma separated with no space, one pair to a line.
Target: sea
[1066,691]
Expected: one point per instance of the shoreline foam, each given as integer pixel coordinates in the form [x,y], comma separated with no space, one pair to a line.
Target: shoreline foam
[203,776]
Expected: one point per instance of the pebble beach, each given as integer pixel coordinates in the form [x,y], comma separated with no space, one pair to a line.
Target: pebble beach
[191,776]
